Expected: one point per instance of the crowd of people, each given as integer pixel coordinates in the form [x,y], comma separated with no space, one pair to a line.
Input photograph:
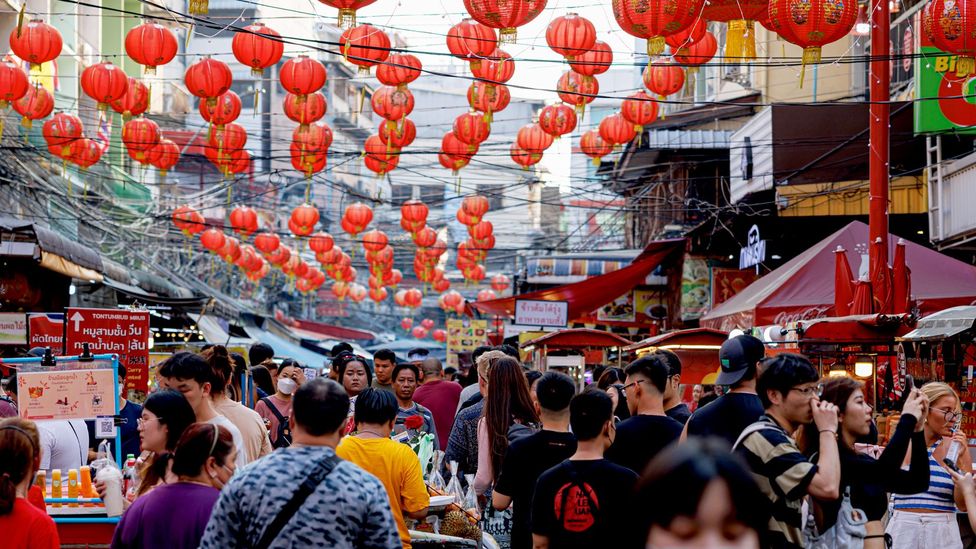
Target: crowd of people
[773,456]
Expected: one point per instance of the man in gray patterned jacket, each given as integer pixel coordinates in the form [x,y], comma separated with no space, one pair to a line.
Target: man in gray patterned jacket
[348,509]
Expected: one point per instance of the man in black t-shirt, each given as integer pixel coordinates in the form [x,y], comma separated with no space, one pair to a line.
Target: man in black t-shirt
[582,501]
[673,407]
[730,413]
[648,430]
[527,458]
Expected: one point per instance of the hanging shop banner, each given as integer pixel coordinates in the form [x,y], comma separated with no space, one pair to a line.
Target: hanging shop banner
[463,336]
[13,329]
[695,288]
[46,330]
[68,393]
[728,282]
[621,309]
[125,333]
[534,312]
[944,99]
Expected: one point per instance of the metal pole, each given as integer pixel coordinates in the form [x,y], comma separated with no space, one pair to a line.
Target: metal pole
[880,82]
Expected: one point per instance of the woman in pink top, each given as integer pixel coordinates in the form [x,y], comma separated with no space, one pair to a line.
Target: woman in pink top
[276,408]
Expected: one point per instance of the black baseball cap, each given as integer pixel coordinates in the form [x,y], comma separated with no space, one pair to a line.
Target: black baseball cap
[736,356]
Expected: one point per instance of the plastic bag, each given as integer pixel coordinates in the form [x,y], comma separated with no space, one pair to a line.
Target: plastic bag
[454,487]
[470,498]
[425,452]
[435,479]
[108,473]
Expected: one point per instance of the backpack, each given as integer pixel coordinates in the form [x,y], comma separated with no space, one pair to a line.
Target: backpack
[283,438]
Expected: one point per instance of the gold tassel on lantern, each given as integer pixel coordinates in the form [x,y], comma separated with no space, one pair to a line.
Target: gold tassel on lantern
[507,35]
[347,18]
[655,45]
[740,42]
[811,55]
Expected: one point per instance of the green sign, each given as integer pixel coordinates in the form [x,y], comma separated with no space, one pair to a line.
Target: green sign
[946,101]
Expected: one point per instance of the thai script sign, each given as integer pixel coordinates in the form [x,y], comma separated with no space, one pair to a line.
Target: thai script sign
[530,312]
[125,333]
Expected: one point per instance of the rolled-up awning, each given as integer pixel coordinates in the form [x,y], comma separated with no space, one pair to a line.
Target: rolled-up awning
[586,296]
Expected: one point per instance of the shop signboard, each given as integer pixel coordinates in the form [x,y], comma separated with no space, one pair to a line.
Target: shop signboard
[68,393]
[532,312]
[944,100]
[13,329]
[46,330]
[728,282]
[121,332]
[695,288]
[464,336]
[754,252]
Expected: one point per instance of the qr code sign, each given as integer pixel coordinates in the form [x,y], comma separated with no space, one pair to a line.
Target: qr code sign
[104,427]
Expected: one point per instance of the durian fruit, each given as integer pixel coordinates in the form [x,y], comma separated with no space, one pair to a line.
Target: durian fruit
[455,524]
[472,532]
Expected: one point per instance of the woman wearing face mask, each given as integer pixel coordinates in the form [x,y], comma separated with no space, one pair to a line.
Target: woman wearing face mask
[275,408]
[870,480]
[22,524]
[174,516]
[928,519]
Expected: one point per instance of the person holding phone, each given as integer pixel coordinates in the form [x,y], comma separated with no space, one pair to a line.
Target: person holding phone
[928,519]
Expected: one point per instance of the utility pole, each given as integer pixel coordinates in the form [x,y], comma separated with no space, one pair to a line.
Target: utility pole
[880,86]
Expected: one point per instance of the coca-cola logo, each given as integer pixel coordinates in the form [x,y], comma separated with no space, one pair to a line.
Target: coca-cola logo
[812,313]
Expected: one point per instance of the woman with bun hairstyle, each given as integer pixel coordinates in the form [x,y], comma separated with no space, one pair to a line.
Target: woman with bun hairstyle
[251,425]
[22,524]
[174,516]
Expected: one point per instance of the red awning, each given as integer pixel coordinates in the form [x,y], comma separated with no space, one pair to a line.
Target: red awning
[803,288]
[336,332]
[596,291]
[578,338]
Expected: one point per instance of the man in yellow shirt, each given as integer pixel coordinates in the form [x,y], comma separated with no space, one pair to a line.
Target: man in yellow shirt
[393,463]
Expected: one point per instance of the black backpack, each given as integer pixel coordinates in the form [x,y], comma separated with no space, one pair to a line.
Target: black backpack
[283,438]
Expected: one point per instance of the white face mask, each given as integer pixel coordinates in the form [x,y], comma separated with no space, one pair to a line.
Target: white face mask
[122,390]
[287,386]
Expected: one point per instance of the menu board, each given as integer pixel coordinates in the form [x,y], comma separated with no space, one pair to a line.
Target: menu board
[67,393]
[464,337]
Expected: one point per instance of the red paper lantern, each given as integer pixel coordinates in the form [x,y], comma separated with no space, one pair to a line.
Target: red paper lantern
[453,163]
[653,21]
[36,104]
[267,242]
[475,206]
[104,82]
[392,277]
[664,78]
[486,295]
[471,41]
[86,153]
[570,35]
[304,217]
[340,290]
[379,166]
[500,283]
[257,46]
[558,119]
[13,83]
[314,137]
[399,69]
[226,109]
[413,215]
[364,46]
[61,131]
[427,323]
[522,157]
[231,250]
[504,15]
[615,129]
[533,139]
[302,75]
[497,68]
[471,128]
[376,149]
[441,285]
[134,102]
[208,78]
[699,53]
[577,89]
[451,145]
[243,220]
[378,294]
[488,98]
[392,103]
[596,61]
[228,139]
[212,239]
[695,32]
[419,332]
[452,299]
[358,215]
[481,230]
[639,109]
[949,27]
[812,24]
[439,335]
[150,45]
[240,162]
[36,42]
[139,135]
[166,156]
[347,10]
[594,146]
[307,161]
[425,237]
[304,109]
[405,323]
[398,135]
[741,15]
[413,298]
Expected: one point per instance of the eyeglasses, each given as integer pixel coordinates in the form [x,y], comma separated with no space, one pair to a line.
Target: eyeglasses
[632,383]
[950,416]
[140,421]
[810,392]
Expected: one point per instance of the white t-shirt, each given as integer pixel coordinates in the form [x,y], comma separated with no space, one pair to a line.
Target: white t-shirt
[64,444]
[242,457]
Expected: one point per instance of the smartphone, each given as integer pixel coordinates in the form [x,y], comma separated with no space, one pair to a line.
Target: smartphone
[948,463]
[909,382]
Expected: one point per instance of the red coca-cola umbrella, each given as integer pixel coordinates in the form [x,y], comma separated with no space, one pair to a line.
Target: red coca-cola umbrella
[843,283]
[863,300]
[902,284]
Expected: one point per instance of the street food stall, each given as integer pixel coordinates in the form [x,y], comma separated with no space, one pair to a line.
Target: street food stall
[572,350]
[697,348]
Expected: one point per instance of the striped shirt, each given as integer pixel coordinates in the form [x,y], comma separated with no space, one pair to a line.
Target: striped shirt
[783,474]
[939,495]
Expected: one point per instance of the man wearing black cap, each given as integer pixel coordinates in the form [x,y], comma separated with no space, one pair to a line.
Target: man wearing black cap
[728,415]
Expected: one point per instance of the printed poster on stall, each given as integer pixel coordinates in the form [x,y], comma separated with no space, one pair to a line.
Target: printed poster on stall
[461,337]
[13,329]
[728,282]
[46,330]
[68,394]
[618,310]
[112,331]
[695,288]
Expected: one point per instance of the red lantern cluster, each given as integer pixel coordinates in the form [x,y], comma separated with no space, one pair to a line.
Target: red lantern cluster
[504,15]
[812,24]
[189,221]
[472,252]
[654,21]
[364,46]
[150,45]
[257,46]
[208,78]
[571,35]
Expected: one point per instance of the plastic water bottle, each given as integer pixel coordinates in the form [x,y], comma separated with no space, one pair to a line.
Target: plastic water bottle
[952,454]
[129,475]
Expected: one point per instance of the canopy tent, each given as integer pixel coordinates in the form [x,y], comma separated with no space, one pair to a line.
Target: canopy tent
[586,296]
[803,288]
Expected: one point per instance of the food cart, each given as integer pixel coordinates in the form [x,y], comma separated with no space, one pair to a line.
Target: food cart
[697,348]
[572,350]
[73,387]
